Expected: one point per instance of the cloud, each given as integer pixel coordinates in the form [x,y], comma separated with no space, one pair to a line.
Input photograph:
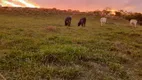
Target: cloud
[131,5]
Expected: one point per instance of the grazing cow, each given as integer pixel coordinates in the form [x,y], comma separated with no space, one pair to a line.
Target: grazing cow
[103,20]
[68,21]
[82,22]
[133,22]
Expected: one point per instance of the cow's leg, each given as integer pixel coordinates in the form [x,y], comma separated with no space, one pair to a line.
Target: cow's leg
[66,23]
[69,24]
[82,24]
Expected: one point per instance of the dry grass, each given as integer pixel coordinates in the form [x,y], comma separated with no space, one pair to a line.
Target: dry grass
[51,28]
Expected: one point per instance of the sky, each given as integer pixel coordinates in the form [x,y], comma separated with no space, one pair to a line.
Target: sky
[91,5]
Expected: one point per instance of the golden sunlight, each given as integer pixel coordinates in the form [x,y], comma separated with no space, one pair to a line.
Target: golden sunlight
[19,3]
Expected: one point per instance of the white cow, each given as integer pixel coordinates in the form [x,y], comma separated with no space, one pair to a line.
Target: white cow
[103,20]
[133,22]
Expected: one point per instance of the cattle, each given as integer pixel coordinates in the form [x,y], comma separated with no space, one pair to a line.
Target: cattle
[82,22]
[103,20]
[68,21]
[133,22]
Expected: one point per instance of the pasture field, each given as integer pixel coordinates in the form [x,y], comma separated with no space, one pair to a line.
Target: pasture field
[40,47]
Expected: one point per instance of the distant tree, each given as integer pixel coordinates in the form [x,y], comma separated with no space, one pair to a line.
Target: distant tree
[69,10]
[107,10]
[117,13]
[137,16]
[54,9]
[97,13]
[121,11]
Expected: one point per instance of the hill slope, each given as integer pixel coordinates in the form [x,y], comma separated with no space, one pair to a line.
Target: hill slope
[40,47]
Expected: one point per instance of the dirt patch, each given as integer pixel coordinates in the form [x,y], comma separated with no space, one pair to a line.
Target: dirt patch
[135,35]
[51,28]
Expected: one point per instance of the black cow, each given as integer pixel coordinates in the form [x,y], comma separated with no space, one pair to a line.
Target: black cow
[82,22]
[68,21]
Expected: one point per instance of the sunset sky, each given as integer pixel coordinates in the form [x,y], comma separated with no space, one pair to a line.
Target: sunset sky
[82,5]
[88,5]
